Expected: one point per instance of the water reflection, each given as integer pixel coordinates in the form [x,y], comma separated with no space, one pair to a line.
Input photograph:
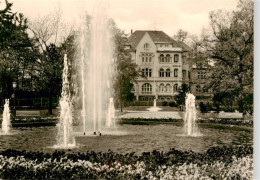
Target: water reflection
[135,138]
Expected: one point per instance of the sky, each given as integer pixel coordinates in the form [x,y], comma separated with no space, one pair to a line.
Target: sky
[166,15]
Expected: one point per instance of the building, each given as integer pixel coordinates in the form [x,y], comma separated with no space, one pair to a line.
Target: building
[199,84]
[163,62]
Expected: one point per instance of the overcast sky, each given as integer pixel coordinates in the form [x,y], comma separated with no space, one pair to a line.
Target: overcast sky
[165,15]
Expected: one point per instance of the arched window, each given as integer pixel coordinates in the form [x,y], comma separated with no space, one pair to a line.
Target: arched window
[175,87]
[168,73]
[146,46]
[161,88]
[168,58]
[161,58]
[198,88]
[168,88]
[176,57]
[147,88]
[175,72]
[161,73]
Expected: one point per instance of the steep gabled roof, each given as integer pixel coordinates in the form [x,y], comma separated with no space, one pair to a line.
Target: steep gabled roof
[156,36]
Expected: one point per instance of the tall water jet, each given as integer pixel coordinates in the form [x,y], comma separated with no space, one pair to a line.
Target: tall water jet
[190,126]
[6,118]
[65,137]
[97,69]
[111,119]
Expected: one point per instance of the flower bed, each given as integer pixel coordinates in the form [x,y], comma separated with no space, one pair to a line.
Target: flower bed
[238,122]
[216,163]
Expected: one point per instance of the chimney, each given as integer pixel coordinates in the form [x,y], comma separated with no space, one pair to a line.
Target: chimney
[131,31]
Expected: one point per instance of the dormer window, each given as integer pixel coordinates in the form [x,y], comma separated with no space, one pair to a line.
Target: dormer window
[146,46]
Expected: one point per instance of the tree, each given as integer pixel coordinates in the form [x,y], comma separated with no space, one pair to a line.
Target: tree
[49,73]
[180,97]
[126,70]
[48,33]
[232,50]
[16,50]
[181,35]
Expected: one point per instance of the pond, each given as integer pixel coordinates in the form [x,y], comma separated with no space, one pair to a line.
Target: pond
[130,138]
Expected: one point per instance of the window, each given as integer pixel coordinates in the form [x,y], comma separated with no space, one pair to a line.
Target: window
[199,75]
[146,46]
[147,88]
[175,87]
[161,73]
[150,72]
[184,74]
[184,59]
[175,72]
[161,88]
[168,72]
[147,72]
[176,58]
[198,89]
[168,88]
[168,58]
[204,75]
[161,58]
[146,57]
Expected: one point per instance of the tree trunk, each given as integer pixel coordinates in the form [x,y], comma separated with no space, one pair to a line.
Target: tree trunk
[50,105]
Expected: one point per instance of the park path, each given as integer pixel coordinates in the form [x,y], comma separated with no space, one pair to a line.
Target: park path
[151,115]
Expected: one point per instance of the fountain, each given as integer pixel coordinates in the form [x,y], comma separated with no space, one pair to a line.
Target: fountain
[190,117]
[110,122]
[65,137]
[97,72]
[6,118]
[154,108]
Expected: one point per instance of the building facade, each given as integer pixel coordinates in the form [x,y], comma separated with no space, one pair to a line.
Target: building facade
[199,82]
[163,62]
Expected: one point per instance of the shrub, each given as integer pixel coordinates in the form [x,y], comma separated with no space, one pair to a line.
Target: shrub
[203,107]
[216,163]
[164,103]
[172,104]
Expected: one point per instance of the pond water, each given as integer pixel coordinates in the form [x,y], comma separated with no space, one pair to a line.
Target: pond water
[130,138]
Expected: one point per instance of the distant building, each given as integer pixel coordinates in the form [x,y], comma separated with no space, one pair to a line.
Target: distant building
[163,62]
[199,82]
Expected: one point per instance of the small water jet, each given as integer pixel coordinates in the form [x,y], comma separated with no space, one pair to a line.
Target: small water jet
[190,117]
[65,137]
[6,124]
[154,108]
[111,119]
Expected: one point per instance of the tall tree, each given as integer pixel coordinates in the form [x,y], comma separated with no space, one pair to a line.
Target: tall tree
[50,34]
[16,49]
[126,70]
[232,50]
